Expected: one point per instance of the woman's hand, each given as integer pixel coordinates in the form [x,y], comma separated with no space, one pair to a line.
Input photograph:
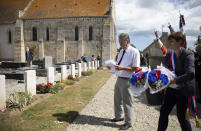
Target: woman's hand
[172,81]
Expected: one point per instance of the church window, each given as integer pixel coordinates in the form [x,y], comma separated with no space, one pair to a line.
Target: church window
[9,37]
[76,33]
[90,33]
[47,34]
[34,33]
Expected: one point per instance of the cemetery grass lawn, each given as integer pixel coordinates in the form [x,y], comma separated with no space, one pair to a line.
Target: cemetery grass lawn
[63,106]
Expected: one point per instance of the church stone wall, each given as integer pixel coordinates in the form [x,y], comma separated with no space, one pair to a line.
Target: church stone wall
[64,29]
[154,52]
[6,48]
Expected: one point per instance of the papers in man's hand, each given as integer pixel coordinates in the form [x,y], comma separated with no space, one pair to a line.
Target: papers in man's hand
[111,64]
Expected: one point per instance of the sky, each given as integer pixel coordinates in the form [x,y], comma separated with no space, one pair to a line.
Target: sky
[140,18]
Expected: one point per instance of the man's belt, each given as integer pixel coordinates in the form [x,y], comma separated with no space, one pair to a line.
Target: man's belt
[125,78]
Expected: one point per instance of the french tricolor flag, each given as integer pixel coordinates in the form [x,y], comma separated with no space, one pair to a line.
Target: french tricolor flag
[181,23]
[170,28]
[162,46]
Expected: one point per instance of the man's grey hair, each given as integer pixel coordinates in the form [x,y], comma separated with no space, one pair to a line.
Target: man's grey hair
[125,36]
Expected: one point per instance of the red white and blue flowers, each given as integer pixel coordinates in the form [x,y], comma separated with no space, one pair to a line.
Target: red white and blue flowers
[157,80]
[138,79]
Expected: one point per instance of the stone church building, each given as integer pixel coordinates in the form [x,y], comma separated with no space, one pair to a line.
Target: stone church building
[63,29]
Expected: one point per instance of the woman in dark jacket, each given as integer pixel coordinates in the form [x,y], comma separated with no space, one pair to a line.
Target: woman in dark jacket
[185,83]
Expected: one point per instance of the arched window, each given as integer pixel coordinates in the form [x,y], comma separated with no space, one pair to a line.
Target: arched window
[34,33]
[76,33]
[47,34]
[9,37]
[90,33]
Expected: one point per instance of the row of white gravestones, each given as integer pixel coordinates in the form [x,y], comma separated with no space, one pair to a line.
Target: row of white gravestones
[79,69]
[92,64]
[30,86]
[72,72]
[63,72]
[85,67]
[89,65]
[2,92]
[50,74]
[96,64]
[30,81]
[30,78]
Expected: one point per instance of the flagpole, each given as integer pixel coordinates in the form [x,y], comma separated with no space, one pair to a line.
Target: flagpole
[162,46]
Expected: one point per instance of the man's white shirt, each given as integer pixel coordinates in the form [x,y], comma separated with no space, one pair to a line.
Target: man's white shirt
[131,58]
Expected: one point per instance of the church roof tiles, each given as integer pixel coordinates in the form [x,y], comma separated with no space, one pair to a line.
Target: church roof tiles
[52,9]
[66,8]
[9,10]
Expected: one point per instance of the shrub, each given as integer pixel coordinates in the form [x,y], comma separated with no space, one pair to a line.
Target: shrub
[55,89]
[82,73]
[87,73]
[70,77]
[41,88]
[19,100]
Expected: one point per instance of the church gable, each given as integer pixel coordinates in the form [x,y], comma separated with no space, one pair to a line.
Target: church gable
[66,8]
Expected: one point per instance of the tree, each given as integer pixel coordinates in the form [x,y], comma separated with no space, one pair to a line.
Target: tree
[133,45]
[118,50]
[198,42]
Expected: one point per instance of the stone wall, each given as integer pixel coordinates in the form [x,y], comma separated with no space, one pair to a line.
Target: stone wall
[104,37]
[6,48]
[153,50]
[19,47]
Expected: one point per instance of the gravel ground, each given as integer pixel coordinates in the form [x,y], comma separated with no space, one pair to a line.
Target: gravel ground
[96,115]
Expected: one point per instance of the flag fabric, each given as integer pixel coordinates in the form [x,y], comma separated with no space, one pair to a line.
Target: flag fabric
[162,46]
[181,23]
[171,29]
[187,115]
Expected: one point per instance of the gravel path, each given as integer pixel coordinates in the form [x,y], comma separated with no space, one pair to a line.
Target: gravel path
[96,115]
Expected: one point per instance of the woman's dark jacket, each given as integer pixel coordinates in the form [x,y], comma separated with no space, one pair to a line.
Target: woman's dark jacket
[185,71]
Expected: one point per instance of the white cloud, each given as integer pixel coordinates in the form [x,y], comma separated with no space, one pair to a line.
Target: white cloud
[142,17]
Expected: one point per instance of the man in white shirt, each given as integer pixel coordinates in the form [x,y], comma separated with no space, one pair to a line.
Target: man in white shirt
[127,61]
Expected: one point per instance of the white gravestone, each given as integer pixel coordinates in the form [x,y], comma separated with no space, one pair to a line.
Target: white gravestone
[96,64]
[63,72]
[82,64]
[2,92]
[79,70]
[93,65]
[76,64]
[85,67]
[30,81]
[89,65]
[68,70]
[73,70]
[50,74]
